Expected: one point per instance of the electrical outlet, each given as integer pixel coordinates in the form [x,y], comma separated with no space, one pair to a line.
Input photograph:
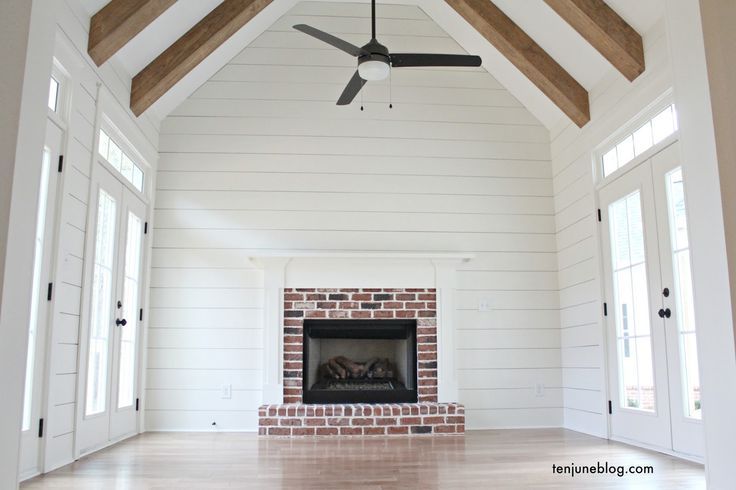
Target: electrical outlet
[226,392]
[484,304]
[539,390]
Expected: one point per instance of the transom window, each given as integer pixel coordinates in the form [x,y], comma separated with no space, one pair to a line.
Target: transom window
[53,94]
[115,156]
[634,143]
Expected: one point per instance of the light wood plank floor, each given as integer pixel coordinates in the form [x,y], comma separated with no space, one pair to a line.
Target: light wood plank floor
[503,459]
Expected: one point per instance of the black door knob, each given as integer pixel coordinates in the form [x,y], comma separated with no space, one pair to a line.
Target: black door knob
[664,313]
[120,322]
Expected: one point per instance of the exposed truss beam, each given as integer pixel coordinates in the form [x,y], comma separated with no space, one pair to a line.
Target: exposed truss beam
[606,31]
[120,21]
[190,50]
[527,56]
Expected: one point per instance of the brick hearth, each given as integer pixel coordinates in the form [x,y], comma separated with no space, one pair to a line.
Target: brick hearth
[361,419]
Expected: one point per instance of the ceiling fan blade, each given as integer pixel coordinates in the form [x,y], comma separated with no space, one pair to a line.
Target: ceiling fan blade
[329,39]
[413,59]
[354,85]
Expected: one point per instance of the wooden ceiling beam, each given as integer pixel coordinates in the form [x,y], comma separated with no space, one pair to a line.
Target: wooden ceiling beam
[606,31]
[191,49]
[118,22]
[538,66]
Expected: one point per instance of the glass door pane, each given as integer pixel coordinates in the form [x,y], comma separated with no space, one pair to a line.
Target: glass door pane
[131,293]
[631,296]
[36,291]
[683,294]
[101,314]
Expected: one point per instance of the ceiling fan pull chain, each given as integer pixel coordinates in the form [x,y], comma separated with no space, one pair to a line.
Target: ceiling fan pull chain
[361,100]
[390,90]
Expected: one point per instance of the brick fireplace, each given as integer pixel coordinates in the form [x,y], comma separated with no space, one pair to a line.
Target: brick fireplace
[427,416]
[419,304]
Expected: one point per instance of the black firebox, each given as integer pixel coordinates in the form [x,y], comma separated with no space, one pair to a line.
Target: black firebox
[360,361]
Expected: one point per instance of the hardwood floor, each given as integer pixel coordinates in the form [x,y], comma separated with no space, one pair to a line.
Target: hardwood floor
[504,459]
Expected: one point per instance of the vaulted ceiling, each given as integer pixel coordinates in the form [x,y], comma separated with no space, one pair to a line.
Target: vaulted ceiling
[552,82]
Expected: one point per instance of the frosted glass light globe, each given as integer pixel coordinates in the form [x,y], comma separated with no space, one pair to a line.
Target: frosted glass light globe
[373,70]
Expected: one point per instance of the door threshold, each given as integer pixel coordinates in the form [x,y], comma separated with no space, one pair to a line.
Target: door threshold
[105,445]
[669,452]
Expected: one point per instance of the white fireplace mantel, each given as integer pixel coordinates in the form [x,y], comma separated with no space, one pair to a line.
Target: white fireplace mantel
[358,270]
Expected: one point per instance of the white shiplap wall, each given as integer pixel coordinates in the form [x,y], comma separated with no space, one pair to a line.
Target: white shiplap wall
[613,104]
[260,159]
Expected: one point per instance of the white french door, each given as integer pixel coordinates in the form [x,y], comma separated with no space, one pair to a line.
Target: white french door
[37,328]
[653,377]
[109,387]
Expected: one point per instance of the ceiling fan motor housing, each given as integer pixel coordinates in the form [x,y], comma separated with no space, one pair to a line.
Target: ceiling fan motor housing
[374,61]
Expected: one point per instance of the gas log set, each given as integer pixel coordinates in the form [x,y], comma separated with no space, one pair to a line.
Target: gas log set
[341,367]
[359,361]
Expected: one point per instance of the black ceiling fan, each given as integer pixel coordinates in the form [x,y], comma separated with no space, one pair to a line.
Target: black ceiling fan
[375,60]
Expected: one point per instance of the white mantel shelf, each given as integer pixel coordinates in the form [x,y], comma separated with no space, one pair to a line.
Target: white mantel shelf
[286,254]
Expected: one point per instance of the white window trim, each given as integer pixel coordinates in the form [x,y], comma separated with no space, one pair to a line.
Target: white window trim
[662,102]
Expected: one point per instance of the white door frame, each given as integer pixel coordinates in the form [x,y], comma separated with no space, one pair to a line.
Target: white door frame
[101,170]
[601,242]
[40,390]
[98,165]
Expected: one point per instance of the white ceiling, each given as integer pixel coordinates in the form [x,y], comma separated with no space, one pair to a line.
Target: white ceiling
[552,33]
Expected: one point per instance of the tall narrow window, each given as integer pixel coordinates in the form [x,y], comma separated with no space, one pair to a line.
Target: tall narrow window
[636,370]
[43,196]
[683,294]
[101,316]
[131,293]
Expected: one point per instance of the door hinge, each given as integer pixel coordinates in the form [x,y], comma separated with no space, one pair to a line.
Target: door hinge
[137,404]
[605,309]
[145,228]
[61,163]
[40,428]
[49,291]
[600,215]
[610,407]
[140,315]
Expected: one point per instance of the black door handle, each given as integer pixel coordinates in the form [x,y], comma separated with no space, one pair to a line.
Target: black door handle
[120,322]
[666,313]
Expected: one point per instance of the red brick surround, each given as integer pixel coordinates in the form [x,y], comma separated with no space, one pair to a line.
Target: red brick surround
[360,303]
[361,419]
